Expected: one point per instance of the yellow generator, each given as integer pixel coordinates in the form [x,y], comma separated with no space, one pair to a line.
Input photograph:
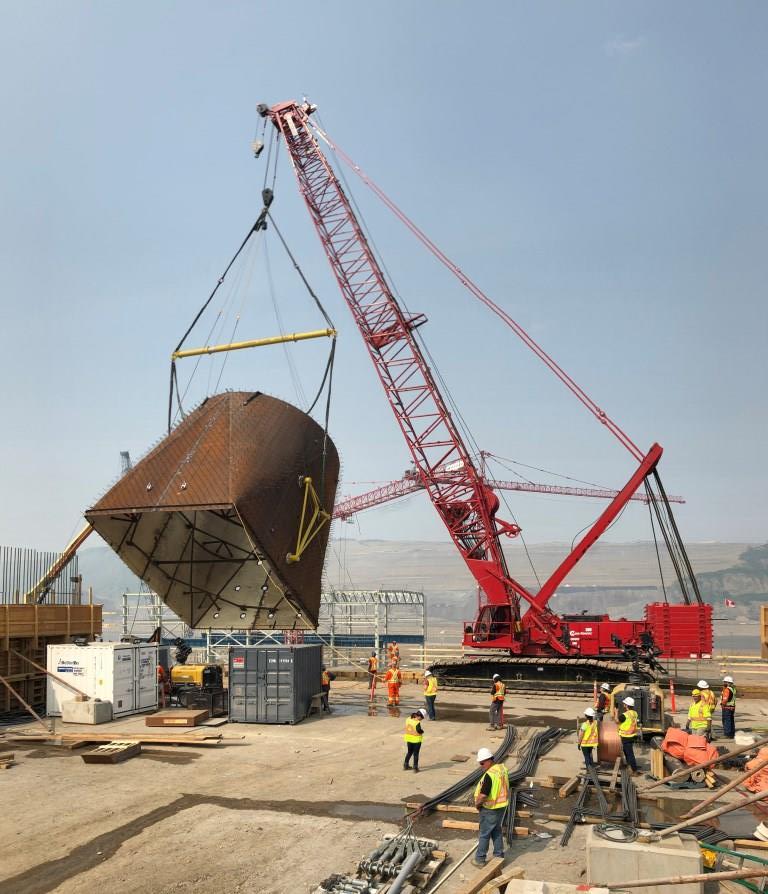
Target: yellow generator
[650,704]
[197,676]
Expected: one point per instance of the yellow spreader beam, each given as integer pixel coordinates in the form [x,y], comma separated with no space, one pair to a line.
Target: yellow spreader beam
[254,343]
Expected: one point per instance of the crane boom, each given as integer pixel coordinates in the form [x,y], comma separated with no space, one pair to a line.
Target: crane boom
[444,467]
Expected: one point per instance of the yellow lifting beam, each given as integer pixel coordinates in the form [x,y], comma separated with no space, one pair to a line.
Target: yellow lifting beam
[254,343]
[308,531]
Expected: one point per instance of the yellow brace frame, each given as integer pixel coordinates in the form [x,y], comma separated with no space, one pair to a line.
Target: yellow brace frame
[254,343]
[319,517]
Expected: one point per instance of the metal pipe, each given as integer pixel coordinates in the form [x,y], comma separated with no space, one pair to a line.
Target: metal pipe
[709,763]
[726,788]
[408,867]
[689,879]
[758,796]
[254,343]
[29,708]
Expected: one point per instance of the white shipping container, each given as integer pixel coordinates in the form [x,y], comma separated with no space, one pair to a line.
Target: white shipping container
[121,673]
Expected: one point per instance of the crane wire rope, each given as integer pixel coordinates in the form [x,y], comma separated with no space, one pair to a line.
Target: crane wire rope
[656,544]
[475,290]
[502,459]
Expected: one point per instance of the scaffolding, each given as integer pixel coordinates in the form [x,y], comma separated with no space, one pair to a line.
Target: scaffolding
[145,611]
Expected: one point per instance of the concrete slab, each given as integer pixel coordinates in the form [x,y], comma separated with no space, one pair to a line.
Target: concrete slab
[529,886]
[89,712]
[613,862]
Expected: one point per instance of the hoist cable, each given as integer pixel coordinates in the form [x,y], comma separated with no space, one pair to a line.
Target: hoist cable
[298,388]
[672,547]
[651,497]
[678,538]
[201,312]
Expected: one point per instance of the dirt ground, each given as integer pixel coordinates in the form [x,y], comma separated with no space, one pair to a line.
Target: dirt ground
[274,809]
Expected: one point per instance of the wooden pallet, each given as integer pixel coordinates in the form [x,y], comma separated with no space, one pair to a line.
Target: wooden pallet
[423,876]
[178,717]
[7,761]
[112,753]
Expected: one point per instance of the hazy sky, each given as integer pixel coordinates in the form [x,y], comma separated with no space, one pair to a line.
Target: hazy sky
[598,168]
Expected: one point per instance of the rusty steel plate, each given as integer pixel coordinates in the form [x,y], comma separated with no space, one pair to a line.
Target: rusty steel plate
[209,516]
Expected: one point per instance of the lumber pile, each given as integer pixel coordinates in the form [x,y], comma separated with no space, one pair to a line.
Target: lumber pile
[112,753]
[72,739]
[7,761]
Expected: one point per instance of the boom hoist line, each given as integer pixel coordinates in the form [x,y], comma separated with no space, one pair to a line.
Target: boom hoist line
[466,503]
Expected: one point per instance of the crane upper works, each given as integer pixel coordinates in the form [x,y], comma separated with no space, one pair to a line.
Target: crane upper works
[511,618]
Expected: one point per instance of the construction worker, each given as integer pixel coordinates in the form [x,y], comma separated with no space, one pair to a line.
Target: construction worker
[373,665]
[393,678]
[162,686]
[414,735]
[699,716]
[491,801]
[728,707]
[588,737]
[628,727]
[325,687]
[498,692]
[707,696]
[430,693]
[602,701]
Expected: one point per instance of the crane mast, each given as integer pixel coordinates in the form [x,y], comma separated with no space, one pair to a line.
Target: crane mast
[444,467]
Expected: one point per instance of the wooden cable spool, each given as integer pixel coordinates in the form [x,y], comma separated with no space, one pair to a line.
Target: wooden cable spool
[609,741]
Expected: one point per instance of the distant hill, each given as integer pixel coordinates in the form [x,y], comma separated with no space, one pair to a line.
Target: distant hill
[736,570]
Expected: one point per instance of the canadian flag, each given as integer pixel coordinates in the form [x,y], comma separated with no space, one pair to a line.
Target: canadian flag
[729,603]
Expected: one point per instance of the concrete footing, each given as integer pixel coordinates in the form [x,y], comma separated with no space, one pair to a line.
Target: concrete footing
[86,712]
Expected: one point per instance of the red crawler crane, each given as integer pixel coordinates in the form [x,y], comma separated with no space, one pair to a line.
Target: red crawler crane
[466,503]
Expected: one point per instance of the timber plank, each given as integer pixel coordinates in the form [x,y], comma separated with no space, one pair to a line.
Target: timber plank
[491,869]
[177,717]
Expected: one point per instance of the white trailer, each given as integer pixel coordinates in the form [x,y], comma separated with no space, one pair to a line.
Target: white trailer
[121,673]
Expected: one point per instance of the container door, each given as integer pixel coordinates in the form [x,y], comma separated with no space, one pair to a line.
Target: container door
[124,683]
[255,683]
[146,689]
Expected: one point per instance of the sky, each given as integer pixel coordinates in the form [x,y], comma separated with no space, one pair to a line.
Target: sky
[597,168]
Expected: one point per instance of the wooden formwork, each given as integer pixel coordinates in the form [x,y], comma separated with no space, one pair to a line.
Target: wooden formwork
[28,630]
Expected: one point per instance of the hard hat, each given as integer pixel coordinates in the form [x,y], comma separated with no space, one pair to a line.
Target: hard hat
[727,679]
[696,692]
[589,712]
[496,676]
[606,687]
[485,754]
[427,673]
[422,712]
[373,654]
[629,701]
[702,684]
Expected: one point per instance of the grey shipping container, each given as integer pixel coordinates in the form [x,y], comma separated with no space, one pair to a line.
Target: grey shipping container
[273,684]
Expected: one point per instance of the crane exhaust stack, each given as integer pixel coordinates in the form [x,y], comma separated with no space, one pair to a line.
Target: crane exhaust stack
[209,518]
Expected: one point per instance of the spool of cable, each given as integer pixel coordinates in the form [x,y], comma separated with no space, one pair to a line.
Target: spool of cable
[609,741]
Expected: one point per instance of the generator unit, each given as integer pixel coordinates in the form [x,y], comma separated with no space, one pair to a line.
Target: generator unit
[650,704]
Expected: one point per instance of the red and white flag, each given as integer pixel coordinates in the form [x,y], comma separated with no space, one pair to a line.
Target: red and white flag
[729,603]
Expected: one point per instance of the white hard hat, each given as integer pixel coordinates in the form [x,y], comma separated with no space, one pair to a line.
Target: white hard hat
[606,687]
[422,712]
[485,754]
[702,684]
[497,676]
[588,712]
[427,673]
[629,701]
[727,679]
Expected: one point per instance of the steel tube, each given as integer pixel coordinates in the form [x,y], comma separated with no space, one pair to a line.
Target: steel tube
[758,796]
[688,879]
[254,343]
[726,788]
[408,867]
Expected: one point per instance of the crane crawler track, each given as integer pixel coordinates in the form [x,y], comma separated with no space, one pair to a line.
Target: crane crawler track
[561,675]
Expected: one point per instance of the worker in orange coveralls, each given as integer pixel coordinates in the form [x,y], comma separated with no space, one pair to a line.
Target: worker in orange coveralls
[393,678]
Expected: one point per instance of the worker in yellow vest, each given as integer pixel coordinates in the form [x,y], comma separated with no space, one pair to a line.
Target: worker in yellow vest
[588,737]
[373,666]
[325,688]
[707,695]
[414,735]
[728,707]
[699,716]
[491,800]
[393,678]
[430,693]
[628,729]
[498,693]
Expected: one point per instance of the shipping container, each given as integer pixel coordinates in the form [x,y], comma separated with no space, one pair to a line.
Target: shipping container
[273,684]
[121,673]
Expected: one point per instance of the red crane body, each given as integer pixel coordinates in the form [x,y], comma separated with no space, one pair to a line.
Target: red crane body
[464,500]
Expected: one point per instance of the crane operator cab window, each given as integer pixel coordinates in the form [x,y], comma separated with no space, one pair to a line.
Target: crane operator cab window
[492,622]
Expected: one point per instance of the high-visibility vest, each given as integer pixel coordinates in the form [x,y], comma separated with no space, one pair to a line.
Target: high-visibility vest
[590,734]
[709,699]
[326,680]
[728,696]
[394,676]
[430,686]
[699,714]
[410,730]
[499,692]
[373,663]
[499,796]
[628,727]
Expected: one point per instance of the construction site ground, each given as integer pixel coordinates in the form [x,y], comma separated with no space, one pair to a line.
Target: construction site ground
[283,807]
